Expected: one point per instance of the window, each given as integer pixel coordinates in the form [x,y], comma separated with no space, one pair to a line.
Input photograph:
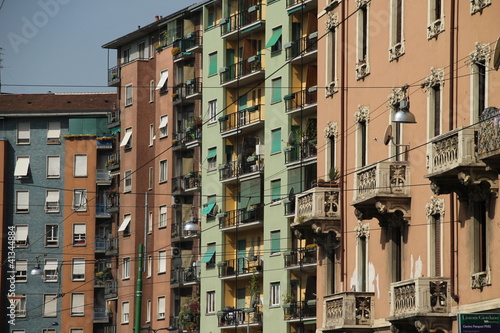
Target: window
[275,41]
[161,308]
[23,133]
[79,234]
[210,302]
[480,240]
[150,222]
[151,178]
[125,268]
[276,140]
[212,111]
[151,134]
[125,312]
[276,190]
[141,47]
[212,64]
[163,171]
[21,235]
[18,331]
[362,143]
[163,126]
[210,16]
[162,262]
[77,304]
[396,252]
[362,242]
[435,104]
[80,200]
[127,181]
[275,241]
[50,270]
[150,266]
[78,269]
[212,159]
[76,330]
[276,90]
[50,305]
[21,270]
[126,55]
[163,217]
[274,299]
[151,47]
[53,166]
[22,166]
[53,131]
[128,95]
[125,226]
[127,139]
[479,75]
[163,83]
[52,201]
[436,18]
[209,256]
[80,165]
[148,311]
[362,48]
[435,242]
[151,91]
[396,48]
[19,304]
[22,201]
[51,235]
[53,330]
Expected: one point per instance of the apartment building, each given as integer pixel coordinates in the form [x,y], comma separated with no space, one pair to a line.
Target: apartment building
[54,180]
[157,164]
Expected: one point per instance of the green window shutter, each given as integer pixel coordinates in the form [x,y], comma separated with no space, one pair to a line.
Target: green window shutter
[275,241]
[276,140]
[75,126]
[212,152]
[212,68]
[89,126]
[207,257]
[275,190]
[276,87]
[274,38]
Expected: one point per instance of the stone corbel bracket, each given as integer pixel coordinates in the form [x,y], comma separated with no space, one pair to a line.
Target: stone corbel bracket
[389,213]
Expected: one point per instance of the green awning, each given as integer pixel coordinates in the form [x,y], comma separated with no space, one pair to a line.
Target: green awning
[208,255]
[274,38]
[296,9]
[212,152]
[115,130]
[309,322]
[208,208]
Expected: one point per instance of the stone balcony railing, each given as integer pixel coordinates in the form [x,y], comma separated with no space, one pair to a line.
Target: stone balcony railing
[318,203]
[348,309]
[420,297]
[488,143]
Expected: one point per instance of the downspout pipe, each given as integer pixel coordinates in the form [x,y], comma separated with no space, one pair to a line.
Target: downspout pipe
[138,292]
[343,160]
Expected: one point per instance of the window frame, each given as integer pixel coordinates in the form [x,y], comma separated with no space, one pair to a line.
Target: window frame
[19,175]
[275,97]
[160,315]
[75,274]
[162,262]
[74,306]
[49,164]
[152,91]
[82,171]
[163,129]
[52,206]
[163,174]
[49,235]
[274,294]
[21,277]
[79,239]
[212,161]
[21,243]
[127,181]
[129,95]
[51,132]
[275,199]
[23,126]
[125,315]
[151,134]
[212,111]
[211,302]
[22,206]
[46,300]
[273,250]
[51,275]
[20,305]
[80,200]
[126,268]
[212,64]
[162,216]
[275,137]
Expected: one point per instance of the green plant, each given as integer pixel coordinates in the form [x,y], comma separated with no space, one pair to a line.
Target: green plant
[189,313]
[288,298]
[333,174]
[254,291]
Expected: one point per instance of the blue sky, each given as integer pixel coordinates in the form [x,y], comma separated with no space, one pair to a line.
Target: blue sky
[58,42]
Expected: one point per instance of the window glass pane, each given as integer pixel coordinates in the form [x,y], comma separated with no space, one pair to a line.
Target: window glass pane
[275,241]
[212,69]
[53,166]
[80,165]
[276,190]
[276,88]
[276,140]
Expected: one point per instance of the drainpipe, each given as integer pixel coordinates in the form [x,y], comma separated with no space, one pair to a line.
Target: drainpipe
[138,292]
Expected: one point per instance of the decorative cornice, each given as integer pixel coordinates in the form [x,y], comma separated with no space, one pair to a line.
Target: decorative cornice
[435,28]
[478,5]
[332,21]
[362,70]
[481,53]
[396,96]
[435,206]
[331,89]
[362,115]
[436,77]
[362,230]
[396,51]
[331,130]
[361,3]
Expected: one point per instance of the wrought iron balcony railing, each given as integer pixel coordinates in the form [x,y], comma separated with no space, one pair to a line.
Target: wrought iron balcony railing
[299,310]
[241,69]
[114,76]
[301,99]
[114,118]
[111,289]
[113,162]
[301,257]
[100,244]
[193,87]
[240,20]
[234,169]
[239,317]
[238,217]
[234,267]
[242,118]
[302,46]
[102,177]
[300,152]
[348,309]
[101,315]
[184,275]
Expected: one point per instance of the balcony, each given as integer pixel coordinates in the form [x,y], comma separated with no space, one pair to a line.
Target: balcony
[231,318]
[101,315]
[103,177]
[178,232]
[114,118]
[178,94]
[301,153]
[101,210]
[383,190]
[229,269]
[242,73]
[184,276]
[112,202]
[113,162]
[109,329]
[299,310]
[111,289]
[114,76]
[104,142]
[302,258]
[186,183]
[454,166]
[194,88]
[294,5]
[245,120]
[421,301]
[100,244]
[240,24]
[318,205]
[111,246]
[348,310]
[302,50]
[488,145]
[304,100]
[230,172]
[241,219]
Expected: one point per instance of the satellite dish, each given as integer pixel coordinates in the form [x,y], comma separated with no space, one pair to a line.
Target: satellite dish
[177,262]
[496,55]
[388,134]
[215,209]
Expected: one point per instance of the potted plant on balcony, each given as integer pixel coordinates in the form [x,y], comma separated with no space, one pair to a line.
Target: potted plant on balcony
[190,310]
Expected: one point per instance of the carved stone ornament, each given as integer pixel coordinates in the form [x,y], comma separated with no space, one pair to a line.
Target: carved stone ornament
[362,230]
[435,28]
[362,70]
[481,53]
[480,280]
[478,5]
[331,88]
[420,326]
[396,51]
[361,3]
[332,21]
[331,130]
[362,115]
[435,78]
[436,206]
[396,96]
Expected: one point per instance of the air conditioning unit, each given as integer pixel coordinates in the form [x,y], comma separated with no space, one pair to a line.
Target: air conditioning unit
[176,201]
[175,252]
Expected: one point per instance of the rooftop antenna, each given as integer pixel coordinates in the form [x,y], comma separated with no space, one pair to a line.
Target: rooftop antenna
[1,69]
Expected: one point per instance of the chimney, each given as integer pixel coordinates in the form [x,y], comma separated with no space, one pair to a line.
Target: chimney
[157,18]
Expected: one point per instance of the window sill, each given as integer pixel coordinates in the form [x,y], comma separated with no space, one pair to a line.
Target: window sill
[276,102]
[163,181]
[277,254]
[275,203]
[274,306]
[275,153]
[211,75]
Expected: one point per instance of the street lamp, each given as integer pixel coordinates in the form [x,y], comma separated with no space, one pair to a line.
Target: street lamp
[37,270]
